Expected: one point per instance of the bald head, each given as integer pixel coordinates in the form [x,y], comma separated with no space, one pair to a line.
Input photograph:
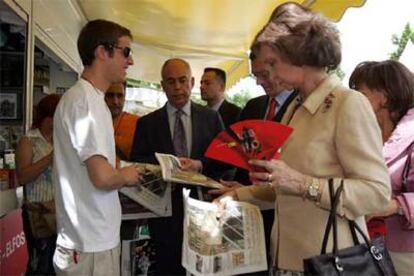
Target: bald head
[177,81]
[175,61]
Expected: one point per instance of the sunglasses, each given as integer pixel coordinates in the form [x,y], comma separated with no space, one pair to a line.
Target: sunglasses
[126,51]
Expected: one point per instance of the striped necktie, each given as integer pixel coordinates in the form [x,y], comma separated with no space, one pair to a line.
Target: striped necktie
[179,138]
[271,112]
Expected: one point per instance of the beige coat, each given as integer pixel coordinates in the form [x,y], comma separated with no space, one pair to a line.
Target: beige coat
[335,135]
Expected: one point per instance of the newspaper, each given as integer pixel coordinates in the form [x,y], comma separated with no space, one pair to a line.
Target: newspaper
[152,198]
[171,171]
[231,244]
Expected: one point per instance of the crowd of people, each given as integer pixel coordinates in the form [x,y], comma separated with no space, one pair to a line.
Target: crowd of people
[361,136]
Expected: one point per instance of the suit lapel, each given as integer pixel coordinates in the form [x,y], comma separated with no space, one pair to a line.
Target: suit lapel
[283,108]
[262,107]
[222,107]
[195,123]
[164,131]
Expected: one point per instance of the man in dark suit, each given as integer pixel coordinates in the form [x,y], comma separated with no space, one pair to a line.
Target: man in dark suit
[212,87]
[259,107]
[185,129]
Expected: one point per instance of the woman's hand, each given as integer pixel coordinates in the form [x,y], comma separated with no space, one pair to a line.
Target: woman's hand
[280,176]
[223,199]
[228,187]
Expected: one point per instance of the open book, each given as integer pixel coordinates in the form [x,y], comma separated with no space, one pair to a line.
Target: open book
[153,197]
[171,171]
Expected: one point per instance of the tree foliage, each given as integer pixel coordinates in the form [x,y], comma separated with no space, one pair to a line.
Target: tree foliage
[241,98]
[402,41]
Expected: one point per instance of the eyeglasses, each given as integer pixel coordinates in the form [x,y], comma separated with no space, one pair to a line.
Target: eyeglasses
[126,51]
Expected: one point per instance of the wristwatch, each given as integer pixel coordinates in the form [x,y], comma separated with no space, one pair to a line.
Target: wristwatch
[313,190]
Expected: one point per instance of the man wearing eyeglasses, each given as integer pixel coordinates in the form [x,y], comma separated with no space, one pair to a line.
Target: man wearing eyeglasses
[88,210]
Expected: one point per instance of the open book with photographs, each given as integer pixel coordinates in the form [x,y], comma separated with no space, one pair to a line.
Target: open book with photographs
[171,171]
[153,197]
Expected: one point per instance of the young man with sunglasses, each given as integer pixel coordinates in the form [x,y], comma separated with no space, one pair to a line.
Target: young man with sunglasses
[87,205]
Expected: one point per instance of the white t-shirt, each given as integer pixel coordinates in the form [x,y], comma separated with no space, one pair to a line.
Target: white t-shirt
[88,218]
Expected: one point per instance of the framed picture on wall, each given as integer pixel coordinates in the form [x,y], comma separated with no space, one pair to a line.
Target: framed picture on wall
[8,106]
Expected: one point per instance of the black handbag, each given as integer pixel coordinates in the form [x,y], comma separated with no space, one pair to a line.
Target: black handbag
[367,258]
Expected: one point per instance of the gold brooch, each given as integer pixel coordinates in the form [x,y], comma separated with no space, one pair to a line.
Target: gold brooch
[328,102]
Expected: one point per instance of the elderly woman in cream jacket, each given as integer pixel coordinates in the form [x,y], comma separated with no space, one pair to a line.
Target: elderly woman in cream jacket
[335,136]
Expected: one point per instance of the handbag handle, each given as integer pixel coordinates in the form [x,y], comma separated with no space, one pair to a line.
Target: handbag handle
[406,170]
[332,222]
[353,227]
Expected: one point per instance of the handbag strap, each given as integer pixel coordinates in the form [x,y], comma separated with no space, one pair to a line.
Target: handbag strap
[354,227]
[332,223]
[329,221]
[406,170]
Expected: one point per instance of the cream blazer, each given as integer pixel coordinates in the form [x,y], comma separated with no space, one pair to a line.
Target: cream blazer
[335,135]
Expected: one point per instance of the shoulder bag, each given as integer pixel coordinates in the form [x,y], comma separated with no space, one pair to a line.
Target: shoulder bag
[366,258]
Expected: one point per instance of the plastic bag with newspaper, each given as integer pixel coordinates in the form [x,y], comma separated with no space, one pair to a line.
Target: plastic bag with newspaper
[226,242]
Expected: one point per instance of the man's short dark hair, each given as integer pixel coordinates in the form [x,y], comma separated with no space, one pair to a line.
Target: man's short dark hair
[99,32]
[221,74]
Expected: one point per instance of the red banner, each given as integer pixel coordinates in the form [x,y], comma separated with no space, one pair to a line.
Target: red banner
[13,248]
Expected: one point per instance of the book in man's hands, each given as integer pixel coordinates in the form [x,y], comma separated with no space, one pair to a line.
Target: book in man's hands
[171,171]
[153,195]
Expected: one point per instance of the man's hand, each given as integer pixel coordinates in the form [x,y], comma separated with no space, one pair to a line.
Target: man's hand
[188,164]
[131,174]
[104,176]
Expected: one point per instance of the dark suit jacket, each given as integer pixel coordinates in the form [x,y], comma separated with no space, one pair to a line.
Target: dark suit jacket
[153,135]
[229,113]
[256,108]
